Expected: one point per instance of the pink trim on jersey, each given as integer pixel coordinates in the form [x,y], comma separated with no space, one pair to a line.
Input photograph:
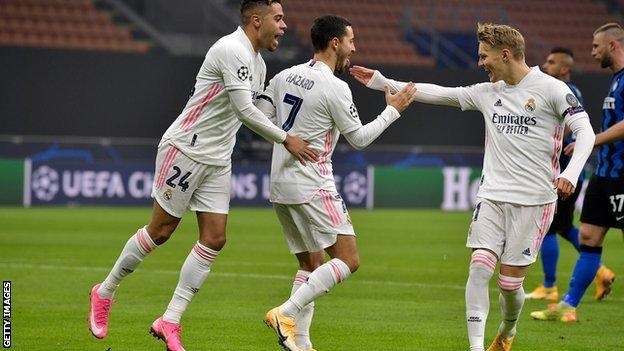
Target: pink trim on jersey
[330,209]
[557,142]
[164,169]
[143,241]
[508,285]
[485,259]
[326,150]
[547,215]
[203,253]
[337,272]
[193,115]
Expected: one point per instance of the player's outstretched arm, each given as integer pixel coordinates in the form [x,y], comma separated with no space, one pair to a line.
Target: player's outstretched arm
[265,105]
[613,133]
[584,134]
[397,103]
[253,118]
[426,93]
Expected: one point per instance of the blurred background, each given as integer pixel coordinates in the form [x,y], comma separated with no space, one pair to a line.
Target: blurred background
[89,86]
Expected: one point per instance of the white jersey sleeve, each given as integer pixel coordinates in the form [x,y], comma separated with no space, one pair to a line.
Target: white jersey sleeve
[565,104]
[205,130]
[266,101]
[425,92]
[569,109]
[234,63]
[342,109]
[470,97]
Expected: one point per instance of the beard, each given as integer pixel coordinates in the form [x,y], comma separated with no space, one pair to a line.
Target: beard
[606,61]
[341,64]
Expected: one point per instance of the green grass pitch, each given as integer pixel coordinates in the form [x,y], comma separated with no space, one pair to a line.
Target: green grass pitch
[407,295]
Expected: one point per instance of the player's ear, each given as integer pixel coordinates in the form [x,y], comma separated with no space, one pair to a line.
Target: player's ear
[565,69]
[335,43]
[506,55]
[256,20]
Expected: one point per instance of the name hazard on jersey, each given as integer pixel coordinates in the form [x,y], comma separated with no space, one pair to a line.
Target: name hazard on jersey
[300,81]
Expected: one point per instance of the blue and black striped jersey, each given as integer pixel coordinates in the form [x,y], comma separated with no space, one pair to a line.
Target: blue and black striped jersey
[563,159]
[610,161]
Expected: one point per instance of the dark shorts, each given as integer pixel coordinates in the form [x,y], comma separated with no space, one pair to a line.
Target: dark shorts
[565,213]
[603,205]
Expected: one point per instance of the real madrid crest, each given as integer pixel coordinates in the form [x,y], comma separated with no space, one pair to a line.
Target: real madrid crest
[530,105]
[168,194]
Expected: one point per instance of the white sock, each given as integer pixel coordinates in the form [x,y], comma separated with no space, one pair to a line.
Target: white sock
[192,275]
[137,247]
[511,299]
[304,319]
[477,296]
[319,283]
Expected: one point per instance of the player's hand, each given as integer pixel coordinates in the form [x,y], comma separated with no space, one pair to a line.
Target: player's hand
[299,148]
[402,99]
[564,188]
[361,74]
[569,149]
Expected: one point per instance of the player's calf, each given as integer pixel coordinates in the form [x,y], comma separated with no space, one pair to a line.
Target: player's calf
[482,267]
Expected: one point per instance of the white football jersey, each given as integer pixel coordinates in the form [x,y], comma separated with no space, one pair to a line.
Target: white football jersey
[524,126]
[313,104]
[206,129]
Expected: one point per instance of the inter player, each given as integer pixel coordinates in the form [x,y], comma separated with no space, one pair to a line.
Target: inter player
[525,111]
[310,101]
[603,206]
[193,164]
[559,64]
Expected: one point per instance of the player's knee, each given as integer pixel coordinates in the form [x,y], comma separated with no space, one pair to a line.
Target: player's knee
[482,265]
[587,238]
[161,233]
[311,264]
[353,263]
[214,241]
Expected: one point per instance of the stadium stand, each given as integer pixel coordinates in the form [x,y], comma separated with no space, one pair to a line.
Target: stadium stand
[68,24]
[382,30]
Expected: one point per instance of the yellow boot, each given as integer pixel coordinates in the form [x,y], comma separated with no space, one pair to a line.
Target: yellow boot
[501,344]
[604,279]
[556,312]
[543,293]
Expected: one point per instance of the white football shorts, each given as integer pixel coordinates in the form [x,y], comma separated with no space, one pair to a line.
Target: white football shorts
[513,232]
[181,183]
[314,226]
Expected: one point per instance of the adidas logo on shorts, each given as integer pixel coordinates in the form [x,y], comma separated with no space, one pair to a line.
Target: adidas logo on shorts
[527,252]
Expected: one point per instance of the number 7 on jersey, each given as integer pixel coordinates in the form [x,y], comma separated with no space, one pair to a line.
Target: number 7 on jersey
[296,105]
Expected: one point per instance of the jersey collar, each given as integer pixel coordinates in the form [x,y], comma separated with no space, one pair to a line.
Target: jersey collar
[320,65]
[240,34]
[528,77]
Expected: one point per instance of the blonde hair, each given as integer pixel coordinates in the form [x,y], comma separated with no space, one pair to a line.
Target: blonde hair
[613,29]
[500,36]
